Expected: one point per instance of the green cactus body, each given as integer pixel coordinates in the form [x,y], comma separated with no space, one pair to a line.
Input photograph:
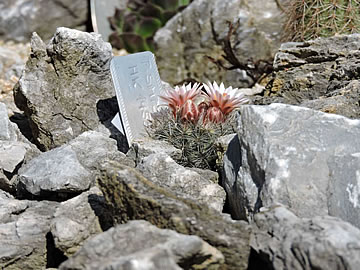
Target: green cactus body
[136,26]
[197,142]
[309,19]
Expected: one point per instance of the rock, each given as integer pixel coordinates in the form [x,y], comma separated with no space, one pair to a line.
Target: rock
[24,243]
[147,146]
[11,154]
[286,154]
[57,171]
[319,74]
[18,18]
[70,169]
[344,187]
[200,30]
[289,242]
[7,130]
[343,101]
[62,85]
[131,196]
[162,170]
[74,222]
[140,245]
[15,150]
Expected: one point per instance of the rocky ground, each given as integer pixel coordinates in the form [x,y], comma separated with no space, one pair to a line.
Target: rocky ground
[73,196]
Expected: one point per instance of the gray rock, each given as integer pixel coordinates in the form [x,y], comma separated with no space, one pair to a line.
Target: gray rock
[7,130]
[19,18]
[129,196]
[288,242]
[343,101]
[286,154]
[74,222]
[11,154]
[15,150]
[319,74]
[54,171]
[200,30]
[63,84]
[23,233]
[344,187]
[69,169]
[147,146]
[184,182]
[140,245]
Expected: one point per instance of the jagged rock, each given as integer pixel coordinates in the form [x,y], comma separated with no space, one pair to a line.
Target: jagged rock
[7,129]
[344,187]
[286,154]
[18,18]
[131,196]
[24,225]
[288,242]
[75,221]
[140,245]
[162,170]
[320,74]
[147,146]
[62,85]
[343,101]
[15,149]
[70,169]
[200,30]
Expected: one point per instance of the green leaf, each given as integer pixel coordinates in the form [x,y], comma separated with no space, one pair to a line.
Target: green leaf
[167,4]
[148,26]
[150,10]
[134,43]
[130,22]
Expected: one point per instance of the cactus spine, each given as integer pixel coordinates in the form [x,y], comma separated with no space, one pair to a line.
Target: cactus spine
[309,19]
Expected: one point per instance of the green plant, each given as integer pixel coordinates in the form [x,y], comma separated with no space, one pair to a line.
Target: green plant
[309,19]
[136,26]
[193,121]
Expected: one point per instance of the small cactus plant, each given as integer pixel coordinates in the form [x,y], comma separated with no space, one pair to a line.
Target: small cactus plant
[136,26]
[309,19]
[193,121]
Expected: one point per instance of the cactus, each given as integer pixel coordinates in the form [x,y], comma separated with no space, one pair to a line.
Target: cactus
[197,142]
[193,121]
[136,26]
[309,19]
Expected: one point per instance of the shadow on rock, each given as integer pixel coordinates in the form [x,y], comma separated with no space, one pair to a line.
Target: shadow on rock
[106,110]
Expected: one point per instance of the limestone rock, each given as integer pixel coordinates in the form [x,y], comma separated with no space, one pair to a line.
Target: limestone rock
[147,146]
[319,74]
[23,233]
[200,30]
[140,245]
[62,84]
[293,155]
[74,222]
[70,169]
[19,18]
[288,242]
[162,170]
[131,196]
[15,150]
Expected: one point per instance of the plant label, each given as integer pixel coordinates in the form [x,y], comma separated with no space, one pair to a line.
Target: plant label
[138,86]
